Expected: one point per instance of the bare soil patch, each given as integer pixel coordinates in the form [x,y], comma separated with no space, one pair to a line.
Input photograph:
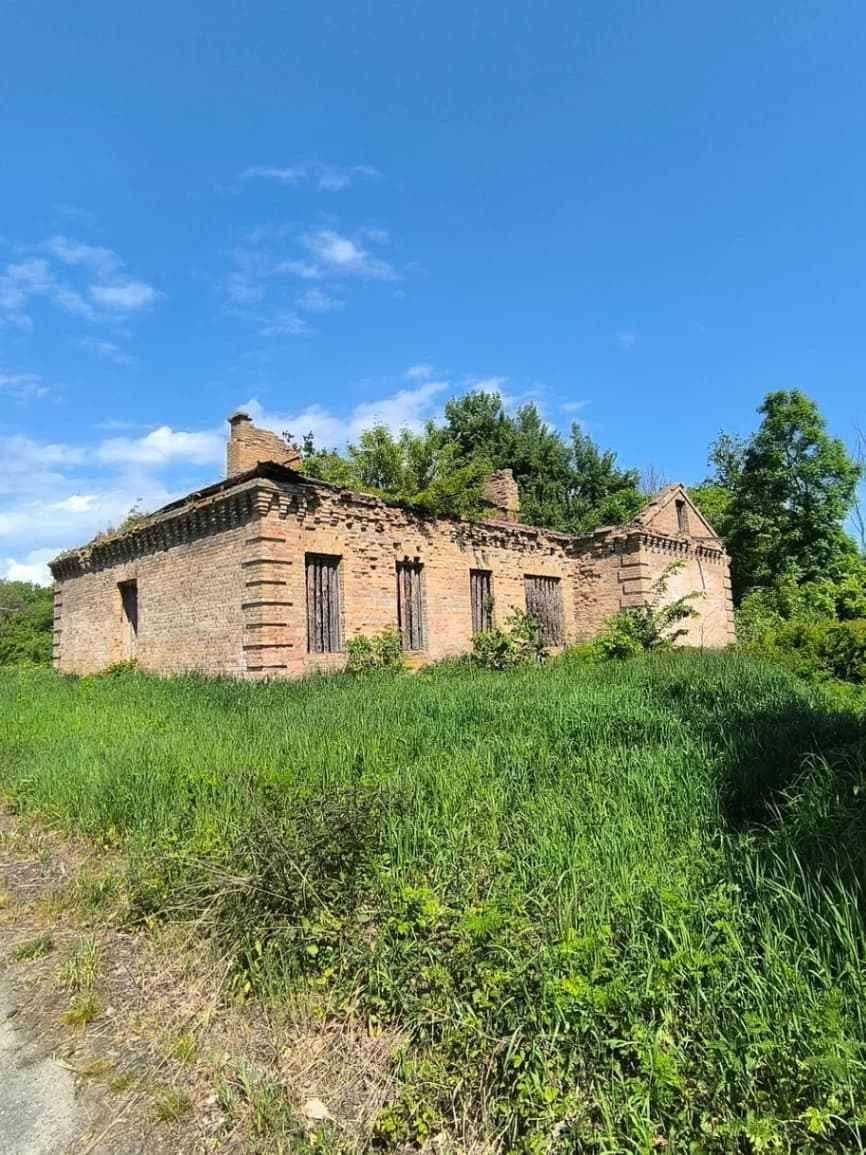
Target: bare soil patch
[123,1041]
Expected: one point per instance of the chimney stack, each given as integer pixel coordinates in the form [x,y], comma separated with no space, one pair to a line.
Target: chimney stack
[502,494]
[248,447]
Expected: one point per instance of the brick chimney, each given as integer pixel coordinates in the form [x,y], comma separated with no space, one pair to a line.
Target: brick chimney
[501,492]
[248,447]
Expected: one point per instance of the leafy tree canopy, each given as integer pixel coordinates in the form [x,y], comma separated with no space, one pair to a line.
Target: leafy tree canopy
[26,623]
[565,483]
[780,499]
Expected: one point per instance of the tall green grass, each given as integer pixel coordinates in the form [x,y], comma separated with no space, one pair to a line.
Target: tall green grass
[615,908]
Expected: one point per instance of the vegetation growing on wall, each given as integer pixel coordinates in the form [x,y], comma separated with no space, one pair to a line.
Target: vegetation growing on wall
[568,483]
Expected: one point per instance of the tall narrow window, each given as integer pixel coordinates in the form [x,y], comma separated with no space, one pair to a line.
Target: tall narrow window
[128,618]
[324,628]
[410,604]
[482,600]
[682,516]
[544,603]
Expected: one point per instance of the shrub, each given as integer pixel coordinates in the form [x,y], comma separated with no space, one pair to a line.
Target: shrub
[382,651]
[651,627]
[519,643]
[817,650]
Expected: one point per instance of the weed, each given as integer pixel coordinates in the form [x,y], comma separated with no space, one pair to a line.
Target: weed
[33,948]
[172,1105]
[121,1082]
[382,651]
[185,1048]
[82,1009]
[80,970]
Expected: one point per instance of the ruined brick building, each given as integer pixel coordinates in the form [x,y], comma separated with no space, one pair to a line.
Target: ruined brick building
[267,573]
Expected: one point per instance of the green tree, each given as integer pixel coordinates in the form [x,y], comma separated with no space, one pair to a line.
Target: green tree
[601,493]
[26,623]
[569,485]
[792,486]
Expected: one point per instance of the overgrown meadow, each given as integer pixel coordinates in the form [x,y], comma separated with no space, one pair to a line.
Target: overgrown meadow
[612,907]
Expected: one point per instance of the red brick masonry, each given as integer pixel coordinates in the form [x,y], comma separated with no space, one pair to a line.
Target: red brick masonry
[220,576]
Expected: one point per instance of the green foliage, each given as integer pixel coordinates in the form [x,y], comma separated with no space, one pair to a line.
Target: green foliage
[33,948]
[570,485]
[650,627]
[518,643]
[818,650]
[382,651]
[789,489]
[608,907]
[26,624]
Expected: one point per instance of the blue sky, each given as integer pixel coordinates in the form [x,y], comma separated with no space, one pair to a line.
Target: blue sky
[641,215]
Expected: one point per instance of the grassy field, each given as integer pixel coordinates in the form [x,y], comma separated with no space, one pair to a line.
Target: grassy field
[614,908]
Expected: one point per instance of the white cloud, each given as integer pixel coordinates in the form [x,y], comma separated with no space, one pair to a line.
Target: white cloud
[418,372]
[163,446]
[56,496]
[99,291]
[284,324]
[491,385]
[341,256]
[626,338]
[327,177]
[573,406]
[124,297]
[32,568]
[318,302]
[407,408]
[303,269]
[106,350]
[72,252]
[22,386]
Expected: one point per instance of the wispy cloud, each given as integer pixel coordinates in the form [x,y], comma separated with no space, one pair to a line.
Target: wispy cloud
[337,255]
[406,408]
[22,386]
[284,324]
[82,280]
[327,177]
[626,338]
[54,495]
[420,372]
[73,252]
[269,258]
[124,296]
[104,350]
[163,446]
[317,301]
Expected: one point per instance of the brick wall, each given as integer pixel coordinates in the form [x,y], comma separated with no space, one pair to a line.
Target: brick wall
[248,446]
[222,588]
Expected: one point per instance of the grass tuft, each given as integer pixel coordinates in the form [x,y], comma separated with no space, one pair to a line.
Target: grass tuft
[33,948]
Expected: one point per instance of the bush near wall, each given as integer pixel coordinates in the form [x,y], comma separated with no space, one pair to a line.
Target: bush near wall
[818,651]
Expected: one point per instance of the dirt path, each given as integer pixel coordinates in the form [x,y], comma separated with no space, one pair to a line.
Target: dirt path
[77,1087]
[38,1111]
[121,1043]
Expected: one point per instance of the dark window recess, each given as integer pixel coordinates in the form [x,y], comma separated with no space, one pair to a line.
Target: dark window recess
[544,603]
[482,600]
[324,633]
[410,604]
[128,618]
[682,517]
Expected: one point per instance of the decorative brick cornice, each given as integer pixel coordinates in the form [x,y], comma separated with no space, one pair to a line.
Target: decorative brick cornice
[273,488]
[228,510]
